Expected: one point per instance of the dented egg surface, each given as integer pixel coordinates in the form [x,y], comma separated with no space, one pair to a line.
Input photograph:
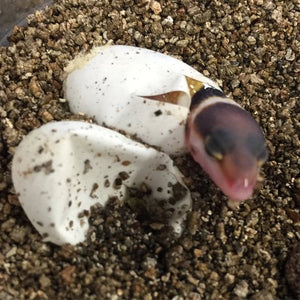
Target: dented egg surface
[63,168]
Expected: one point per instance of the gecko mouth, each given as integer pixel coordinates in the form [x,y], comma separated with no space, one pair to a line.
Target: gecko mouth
[239,189]
[236,184]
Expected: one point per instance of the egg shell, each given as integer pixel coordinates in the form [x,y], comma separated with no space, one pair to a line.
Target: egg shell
[63,168]
[114,85]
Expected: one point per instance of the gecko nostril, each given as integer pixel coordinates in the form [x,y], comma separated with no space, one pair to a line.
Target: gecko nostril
[193,150]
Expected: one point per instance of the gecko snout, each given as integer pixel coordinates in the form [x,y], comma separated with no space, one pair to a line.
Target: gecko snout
[238,159]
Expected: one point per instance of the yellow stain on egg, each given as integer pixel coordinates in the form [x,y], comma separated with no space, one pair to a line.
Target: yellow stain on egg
[194,85]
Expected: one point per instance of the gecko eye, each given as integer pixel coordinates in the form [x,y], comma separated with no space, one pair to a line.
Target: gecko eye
[219,143]
[257,147]
[262,156]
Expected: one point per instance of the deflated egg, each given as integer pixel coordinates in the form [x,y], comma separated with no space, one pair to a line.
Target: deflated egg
[63,168]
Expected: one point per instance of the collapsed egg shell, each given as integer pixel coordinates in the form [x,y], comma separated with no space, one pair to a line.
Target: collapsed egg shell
[142,92]
[63,168]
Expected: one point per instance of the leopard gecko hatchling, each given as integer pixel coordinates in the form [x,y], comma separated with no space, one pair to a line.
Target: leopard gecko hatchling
[226,141]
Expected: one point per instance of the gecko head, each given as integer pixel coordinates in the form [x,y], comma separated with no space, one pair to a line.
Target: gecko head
[234,162]
[229,145]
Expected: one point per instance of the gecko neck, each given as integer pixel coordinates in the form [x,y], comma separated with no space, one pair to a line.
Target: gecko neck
[205,93]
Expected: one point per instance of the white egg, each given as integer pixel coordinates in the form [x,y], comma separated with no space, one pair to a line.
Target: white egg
[63,168]
[144,93]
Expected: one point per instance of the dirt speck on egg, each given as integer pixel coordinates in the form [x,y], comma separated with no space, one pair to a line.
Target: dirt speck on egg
[252,51]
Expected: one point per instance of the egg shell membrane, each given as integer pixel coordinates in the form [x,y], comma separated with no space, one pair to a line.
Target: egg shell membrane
[63,168]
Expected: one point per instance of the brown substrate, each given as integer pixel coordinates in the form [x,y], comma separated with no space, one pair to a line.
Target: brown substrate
[252,48]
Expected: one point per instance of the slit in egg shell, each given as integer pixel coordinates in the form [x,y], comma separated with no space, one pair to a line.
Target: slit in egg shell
[178,97]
